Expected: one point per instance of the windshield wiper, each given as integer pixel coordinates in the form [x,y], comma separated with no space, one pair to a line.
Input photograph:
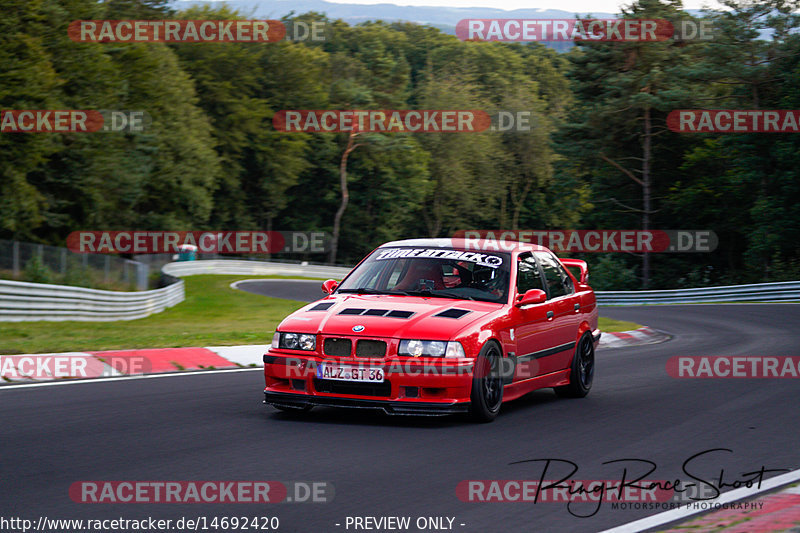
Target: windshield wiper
[455,295]
[367,290]
[427,294]
[441,294]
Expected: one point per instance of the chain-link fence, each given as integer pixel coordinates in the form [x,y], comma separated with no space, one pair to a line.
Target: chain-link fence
[39,263]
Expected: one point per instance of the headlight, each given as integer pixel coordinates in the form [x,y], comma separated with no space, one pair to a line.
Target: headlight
[417,348]
[308,342]
[296,341]
[413,348]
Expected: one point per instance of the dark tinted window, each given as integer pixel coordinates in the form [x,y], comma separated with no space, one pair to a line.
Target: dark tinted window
[558,281]
[528,275]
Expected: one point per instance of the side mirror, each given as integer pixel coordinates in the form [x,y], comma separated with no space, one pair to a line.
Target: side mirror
[328,286]
[532,297]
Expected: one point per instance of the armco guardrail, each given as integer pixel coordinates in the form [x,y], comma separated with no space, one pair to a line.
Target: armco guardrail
[253,268]
[759,292]
[22,301]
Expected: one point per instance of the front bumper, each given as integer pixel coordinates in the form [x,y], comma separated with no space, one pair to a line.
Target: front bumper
[289,399]
[410,387]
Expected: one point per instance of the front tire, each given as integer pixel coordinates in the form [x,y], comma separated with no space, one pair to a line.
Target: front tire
[581,374]
[487,384]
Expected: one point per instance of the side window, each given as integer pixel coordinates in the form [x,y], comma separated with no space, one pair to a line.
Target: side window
[369,277]
[395,274]
[558,281]
[528,276]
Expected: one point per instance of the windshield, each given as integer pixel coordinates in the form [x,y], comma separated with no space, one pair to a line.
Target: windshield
[432,272]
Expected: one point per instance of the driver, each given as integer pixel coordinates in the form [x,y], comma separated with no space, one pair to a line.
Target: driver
[420,273]
[489,280]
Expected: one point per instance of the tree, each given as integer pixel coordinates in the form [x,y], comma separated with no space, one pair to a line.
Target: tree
[337,219]
[138,9]
[743,183]
[625,91]
[27,81]
[466,188]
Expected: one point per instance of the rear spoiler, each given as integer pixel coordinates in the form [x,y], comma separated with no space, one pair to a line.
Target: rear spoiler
[580,264]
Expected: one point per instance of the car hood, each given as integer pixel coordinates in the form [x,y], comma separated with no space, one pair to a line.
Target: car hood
[388,316]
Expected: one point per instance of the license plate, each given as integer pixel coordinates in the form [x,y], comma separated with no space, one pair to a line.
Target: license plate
[349,373]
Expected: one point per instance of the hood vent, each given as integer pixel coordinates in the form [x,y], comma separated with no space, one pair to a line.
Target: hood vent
[322,307]
[351,311]
[453,313]
[376,312]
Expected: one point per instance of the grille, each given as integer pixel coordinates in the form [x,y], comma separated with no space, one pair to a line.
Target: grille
[322,306]
[367,348]
[355,388]
[376,312]
[400,314]
[338,347]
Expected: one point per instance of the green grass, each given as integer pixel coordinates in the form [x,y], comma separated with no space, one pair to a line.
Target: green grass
[610,325]
[212,315]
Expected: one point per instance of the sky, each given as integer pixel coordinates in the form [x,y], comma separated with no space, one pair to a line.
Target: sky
[579,6]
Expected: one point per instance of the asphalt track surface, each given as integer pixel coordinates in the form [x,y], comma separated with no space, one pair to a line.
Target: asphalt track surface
[214,427]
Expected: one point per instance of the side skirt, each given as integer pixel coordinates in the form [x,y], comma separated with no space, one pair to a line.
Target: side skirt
[521,388]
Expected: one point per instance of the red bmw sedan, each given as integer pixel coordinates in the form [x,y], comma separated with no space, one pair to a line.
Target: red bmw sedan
[439,326]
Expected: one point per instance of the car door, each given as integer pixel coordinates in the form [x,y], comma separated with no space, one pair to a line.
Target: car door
[533,326]
[565,307]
